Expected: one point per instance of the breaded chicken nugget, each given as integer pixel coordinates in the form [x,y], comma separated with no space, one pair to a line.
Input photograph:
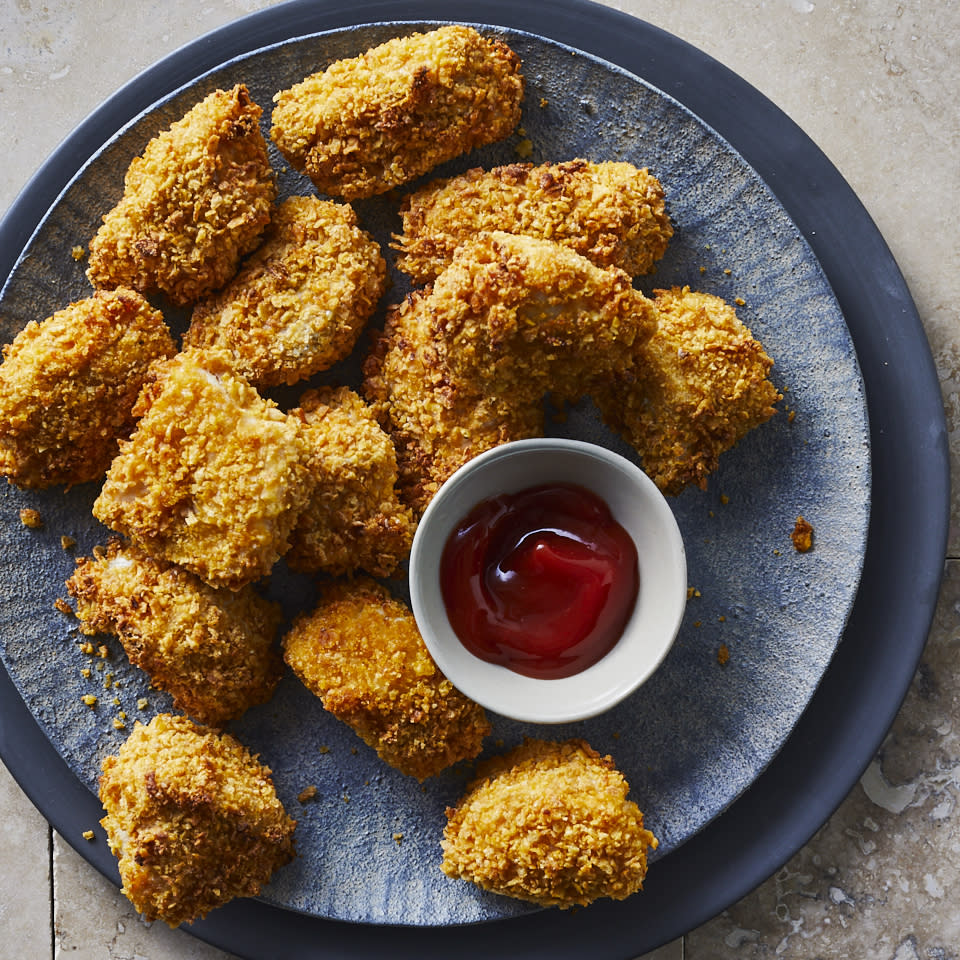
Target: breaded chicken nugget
[360,651]
[194,203]
[436,423]
[549,823]
[213,478]
[192,818]
[298,304]
[68,386]
[519,316]
[211,649]
[611,213]
[371,123]
[354,519]
[698,386]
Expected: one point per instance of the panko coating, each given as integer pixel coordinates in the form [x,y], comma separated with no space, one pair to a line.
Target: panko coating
[611,213]
[361,653]
[194,203]
[212,650]
[212,479]
[299,302]
[519,316]
[698,387]
[354,519]
[68,387]
[368,124]
[192,818]
[549,823]
[436,423]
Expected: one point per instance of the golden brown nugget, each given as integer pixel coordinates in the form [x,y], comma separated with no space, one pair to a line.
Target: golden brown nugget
[373,122]
[518,316]
[354,519]
[299,303]
[192,818]
[212,650]
[212,479]
[68,386]
[549,823]
[436,423]
[194,203]
[611,213]
[698,387]
[360,651]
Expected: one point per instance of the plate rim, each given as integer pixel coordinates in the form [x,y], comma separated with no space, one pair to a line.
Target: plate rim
[793,173]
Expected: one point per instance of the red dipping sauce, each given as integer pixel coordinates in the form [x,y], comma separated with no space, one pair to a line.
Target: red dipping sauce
[542,581]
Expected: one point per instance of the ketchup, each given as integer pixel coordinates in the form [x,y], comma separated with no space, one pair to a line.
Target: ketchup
[542,581]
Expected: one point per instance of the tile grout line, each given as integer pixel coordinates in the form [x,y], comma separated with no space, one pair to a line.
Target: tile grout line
[53,935]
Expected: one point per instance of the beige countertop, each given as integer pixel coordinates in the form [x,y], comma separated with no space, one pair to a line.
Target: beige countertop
[876,85]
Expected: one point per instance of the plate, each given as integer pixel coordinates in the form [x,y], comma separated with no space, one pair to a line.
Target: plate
[698,733]
[666,913]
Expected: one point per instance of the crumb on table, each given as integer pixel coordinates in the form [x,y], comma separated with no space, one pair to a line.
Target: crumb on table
[307,793]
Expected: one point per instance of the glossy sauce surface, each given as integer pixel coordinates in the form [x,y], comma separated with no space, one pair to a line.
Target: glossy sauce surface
[542,581]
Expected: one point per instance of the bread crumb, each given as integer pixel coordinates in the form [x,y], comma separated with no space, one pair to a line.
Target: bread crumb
[89,699]
[142,703]
[67,543]
[87,834]
[543,102]
[740,302]
[62,605]
[307,793]
[802,536]
[31,518]
[78,253]
[119,724]
[87,647]
[723,654]
[399,838]
[524,149]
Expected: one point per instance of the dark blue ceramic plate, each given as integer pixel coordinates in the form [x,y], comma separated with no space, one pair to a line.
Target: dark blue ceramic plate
[698,733]
[848,714]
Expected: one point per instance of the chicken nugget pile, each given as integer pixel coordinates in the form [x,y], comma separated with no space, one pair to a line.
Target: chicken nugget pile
[523,288]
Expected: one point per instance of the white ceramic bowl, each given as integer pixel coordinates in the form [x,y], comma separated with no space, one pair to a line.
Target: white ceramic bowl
[636,504]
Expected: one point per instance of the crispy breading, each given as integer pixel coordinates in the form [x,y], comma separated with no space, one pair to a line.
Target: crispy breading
[611,213]
[354,519]
[194,203]
[370,123]
[463,365]
[299,303]
[436,424]
[697,388]
[549,823]
[360,651]
[193,819]
[518,316]
[212,650]
[213,478]
[68,386]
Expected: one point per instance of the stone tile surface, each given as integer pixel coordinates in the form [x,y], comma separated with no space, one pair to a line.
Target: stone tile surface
[24,874]
[876,86]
